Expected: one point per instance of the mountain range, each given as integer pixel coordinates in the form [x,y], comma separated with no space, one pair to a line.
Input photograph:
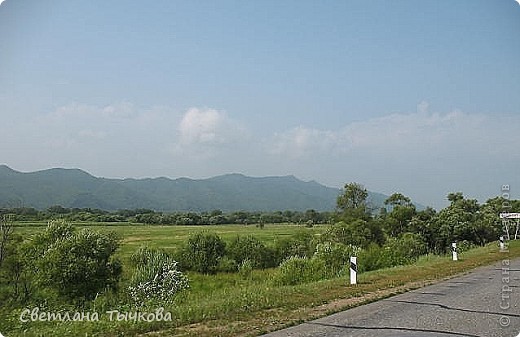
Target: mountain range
[75,188]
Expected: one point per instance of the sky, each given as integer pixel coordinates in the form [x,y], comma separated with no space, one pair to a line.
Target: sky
[416,97]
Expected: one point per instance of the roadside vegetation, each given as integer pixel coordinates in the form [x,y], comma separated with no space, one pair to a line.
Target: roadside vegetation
[230,279]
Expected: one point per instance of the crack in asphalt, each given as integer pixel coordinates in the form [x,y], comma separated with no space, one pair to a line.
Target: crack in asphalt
[391,328]
[443,306]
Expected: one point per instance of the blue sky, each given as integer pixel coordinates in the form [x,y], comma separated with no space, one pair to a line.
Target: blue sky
[420,97]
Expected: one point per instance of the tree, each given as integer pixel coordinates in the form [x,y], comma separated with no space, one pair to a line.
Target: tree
[424,223]
[463,220]
[455,197]
[352,202]
[403,210]
[397,199]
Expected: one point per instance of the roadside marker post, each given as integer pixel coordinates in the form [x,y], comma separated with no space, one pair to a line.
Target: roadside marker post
[454,251]
[353,270]
[502,244]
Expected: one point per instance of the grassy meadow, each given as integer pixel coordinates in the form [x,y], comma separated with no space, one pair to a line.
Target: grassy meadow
[171,238]
[230,304]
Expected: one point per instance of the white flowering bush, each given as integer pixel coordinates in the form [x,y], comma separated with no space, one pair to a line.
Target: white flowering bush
[156,277]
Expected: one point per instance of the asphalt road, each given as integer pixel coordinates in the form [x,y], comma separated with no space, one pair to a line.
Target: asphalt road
[484,303]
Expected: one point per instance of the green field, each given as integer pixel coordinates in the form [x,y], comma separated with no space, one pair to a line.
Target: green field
[171,238]
[230,304]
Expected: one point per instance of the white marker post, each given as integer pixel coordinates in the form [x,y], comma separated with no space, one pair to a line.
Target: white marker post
[502,244]
[353,270]
[454,251]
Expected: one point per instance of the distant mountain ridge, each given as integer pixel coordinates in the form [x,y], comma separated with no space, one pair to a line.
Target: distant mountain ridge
[75,188]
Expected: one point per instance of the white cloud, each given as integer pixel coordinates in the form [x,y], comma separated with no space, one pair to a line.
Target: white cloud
[205,133]
[302,142]
[420,131]
[201,126]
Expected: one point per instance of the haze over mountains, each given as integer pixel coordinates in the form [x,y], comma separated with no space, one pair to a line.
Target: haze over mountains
[74,188]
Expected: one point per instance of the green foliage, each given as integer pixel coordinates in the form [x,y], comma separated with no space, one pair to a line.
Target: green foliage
[352,202]
[301,244]
[15,273]
[77,265]
[397,251]
[397,221]
[398,199]
[203,252]
[299,270]
[227,265]
[155,278]
[405,249]
[464,246]
[463,220]
[335,256]
[372,258]
[245,269]
[250,248]
[358,233]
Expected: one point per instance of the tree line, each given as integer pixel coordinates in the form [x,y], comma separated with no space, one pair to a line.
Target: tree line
[152,217]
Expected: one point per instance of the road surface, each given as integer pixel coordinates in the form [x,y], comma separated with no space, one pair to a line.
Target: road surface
[484,303]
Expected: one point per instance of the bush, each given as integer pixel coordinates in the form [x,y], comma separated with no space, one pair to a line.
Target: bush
[395,252]
[335,256]
[156,277]
[250,248]
[74,264]
[464,246]
[359,233]
[300,244]
[372,258]
[406,249]
[203,252]
[298,270]
[227,265]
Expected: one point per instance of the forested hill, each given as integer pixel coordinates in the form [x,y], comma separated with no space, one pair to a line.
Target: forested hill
[74,188]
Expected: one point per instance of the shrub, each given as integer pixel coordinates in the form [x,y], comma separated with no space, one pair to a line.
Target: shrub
[403,250]
[359,233]
[203,252]
[464,246]
[227,265]
[250,248]
[74,264]
[372,258]
[300,244]
[156,277]
[335,256]
[406,249]
[299,270]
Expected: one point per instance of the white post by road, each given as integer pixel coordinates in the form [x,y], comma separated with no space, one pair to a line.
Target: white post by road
[353,270]
[502,244]
[454,251]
